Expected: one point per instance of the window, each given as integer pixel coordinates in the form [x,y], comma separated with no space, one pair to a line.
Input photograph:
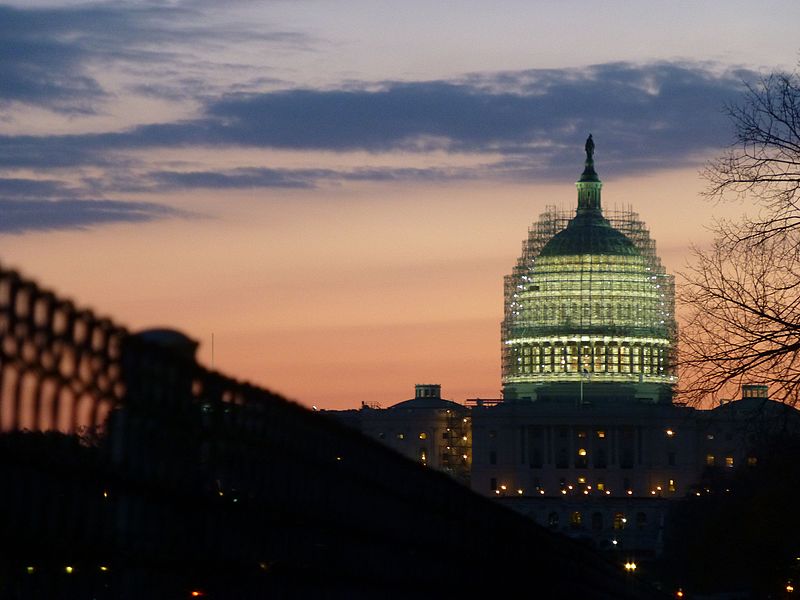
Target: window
[493,457]
[581,479]
[597,521]
[581,434]
[710,460]
[729,461]
[619,520]
[576,519]
[641,520]
[423,455]
[401,436]
[423,436]
[601,486]
[552,519]
[601,434]
[671,485]
[752,461]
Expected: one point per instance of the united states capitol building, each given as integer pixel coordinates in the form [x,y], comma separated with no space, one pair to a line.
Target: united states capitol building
[586,439]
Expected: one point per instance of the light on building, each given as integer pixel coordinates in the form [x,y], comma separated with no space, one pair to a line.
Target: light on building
[103,568]
[679,593]
[789,587]
[519,492]
[68,570]
[30,570]
[582,452]
[502,487]
[630,566]
[670,432]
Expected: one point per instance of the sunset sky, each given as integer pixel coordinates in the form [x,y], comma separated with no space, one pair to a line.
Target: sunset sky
[335,189]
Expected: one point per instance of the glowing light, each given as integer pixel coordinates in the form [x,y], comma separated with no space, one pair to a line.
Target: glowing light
[582,452]
[196,593]
[630,566]
[670,432]
[789,587]
[105,493]
[679,594]
[519,492]
[103,568]
[502,487]
[68,570]
[630,492]
[30,570]
[615,542]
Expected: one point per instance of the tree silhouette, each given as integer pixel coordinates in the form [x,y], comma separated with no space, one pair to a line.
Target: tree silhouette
[742,296]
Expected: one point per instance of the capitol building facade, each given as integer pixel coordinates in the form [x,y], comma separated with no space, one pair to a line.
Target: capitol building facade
[586,439]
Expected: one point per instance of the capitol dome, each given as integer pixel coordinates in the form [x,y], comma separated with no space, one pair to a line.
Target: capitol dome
[589,308]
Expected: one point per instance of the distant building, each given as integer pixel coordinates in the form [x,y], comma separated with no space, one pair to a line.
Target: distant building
[426,428]
[587,439]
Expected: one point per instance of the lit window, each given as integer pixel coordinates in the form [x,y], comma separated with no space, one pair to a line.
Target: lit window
[423,436]
[576,519]
[401,436]
[581,434]
[670,432]
[582,452]
[729,461]
[619,520]
[601,486]
[581,479]
[601,434]
[710,460]
[752,461]
[671,486]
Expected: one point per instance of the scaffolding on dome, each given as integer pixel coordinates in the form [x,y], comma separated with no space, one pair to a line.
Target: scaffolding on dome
[522,321]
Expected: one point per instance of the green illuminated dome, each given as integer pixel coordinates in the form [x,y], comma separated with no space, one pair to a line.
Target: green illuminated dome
[589,305]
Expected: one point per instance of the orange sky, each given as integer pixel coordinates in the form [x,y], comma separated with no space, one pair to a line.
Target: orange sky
[333,303]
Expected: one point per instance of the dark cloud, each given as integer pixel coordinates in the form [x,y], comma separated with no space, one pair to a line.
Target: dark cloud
[20,216]
[12,187]
[643,117]
[46,53]
[292,178]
